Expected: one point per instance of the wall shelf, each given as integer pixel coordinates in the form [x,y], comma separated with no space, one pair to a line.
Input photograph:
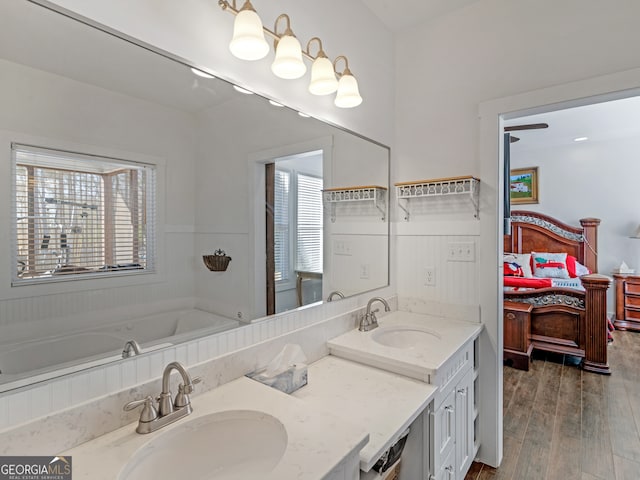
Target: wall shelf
[368,193]
[439,187]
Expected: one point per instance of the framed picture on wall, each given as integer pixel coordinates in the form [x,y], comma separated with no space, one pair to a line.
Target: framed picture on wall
[523,185]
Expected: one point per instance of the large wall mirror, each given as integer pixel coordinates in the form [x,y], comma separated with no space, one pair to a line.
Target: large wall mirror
[122,167]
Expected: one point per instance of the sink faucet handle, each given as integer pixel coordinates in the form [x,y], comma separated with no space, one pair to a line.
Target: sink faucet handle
[182,397]
[188,388]
[149,412]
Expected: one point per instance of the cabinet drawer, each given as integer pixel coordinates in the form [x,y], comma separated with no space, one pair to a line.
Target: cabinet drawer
[631,288]
[631,314]
[632,301]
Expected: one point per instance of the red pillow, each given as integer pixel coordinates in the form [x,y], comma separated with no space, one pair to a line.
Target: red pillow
[512,269]
[571,266]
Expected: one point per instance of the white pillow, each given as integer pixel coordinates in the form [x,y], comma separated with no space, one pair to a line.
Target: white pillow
[522,259]
[581,270]
[550,265]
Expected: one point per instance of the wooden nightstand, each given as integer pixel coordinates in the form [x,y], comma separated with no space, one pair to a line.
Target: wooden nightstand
[517,331]
[627,302]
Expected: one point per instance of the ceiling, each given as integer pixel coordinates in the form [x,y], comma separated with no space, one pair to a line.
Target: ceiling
[400,14]
[599,122]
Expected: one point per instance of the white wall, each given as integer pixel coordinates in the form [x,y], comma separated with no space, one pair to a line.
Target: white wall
[591,179]
[444,70]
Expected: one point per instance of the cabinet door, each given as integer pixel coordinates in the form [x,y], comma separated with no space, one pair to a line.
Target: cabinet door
[464,424]
[444,421]
[447,470]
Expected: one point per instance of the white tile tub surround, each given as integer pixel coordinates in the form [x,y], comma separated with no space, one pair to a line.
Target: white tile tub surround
[71,410]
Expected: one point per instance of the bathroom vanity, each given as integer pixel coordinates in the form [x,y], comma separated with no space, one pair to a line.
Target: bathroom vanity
[336,427]
[438,351]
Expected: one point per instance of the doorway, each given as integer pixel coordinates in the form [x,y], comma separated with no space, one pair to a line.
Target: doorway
[595,90]
[294,231]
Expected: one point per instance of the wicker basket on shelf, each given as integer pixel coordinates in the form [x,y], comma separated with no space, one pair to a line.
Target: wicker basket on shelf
[218,262]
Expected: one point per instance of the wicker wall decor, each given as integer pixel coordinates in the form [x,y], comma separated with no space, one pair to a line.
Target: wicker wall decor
[218,262]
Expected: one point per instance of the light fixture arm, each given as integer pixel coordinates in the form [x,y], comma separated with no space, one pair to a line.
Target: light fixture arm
[320,53]
[346,70]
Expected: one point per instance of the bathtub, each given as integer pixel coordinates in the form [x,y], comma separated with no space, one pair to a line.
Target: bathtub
[37,360]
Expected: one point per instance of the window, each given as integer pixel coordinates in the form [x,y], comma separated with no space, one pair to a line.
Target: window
[80,215]
[298,224]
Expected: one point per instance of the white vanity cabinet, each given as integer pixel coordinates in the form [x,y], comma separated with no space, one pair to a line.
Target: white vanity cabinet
[442,442]
[451,421]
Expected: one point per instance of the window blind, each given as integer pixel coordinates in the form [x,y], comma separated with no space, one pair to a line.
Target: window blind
[78,214]
[309,224]
[281,226]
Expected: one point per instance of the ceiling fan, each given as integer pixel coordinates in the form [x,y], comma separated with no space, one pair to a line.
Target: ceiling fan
[530,126]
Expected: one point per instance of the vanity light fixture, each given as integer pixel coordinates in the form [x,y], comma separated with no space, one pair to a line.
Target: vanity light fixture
[323,75]
[288,63]
[248,43]
[348,95]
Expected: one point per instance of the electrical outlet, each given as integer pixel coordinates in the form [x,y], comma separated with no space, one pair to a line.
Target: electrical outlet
[364,271]
[430,276]
[461,252]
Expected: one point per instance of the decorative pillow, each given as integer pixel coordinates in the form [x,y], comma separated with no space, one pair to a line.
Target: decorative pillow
[550,265]
[512,269]
[571,266]
[581,270]
[517,265]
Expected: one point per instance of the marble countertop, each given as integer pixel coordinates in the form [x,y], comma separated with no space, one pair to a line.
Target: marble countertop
[446,338]
[382,402]
[318,440]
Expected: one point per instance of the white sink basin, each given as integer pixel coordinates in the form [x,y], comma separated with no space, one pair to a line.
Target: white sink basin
[403,336]
[228,445]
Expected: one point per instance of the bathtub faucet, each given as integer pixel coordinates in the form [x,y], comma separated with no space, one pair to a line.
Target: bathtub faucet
[131,348]
[169,410]
[369,320]
[336,293]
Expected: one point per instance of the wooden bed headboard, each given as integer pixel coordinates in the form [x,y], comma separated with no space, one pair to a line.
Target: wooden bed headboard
[536,232]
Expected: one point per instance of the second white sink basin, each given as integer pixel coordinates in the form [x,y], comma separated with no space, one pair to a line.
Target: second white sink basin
[403,336]
[227,445]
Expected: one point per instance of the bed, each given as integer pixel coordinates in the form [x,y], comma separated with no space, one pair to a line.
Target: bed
[557,318]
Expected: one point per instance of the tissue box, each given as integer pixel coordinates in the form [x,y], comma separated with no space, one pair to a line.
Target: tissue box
[288,381]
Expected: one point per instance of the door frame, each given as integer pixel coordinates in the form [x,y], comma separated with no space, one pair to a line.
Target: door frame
[492,116]
[257,224]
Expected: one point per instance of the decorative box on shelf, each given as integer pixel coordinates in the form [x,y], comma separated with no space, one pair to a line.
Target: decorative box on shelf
[375,194]
[438,187]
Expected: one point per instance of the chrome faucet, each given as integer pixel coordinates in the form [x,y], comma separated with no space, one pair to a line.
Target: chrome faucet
[337,293]
[369,320]
[168,411]
[131,348]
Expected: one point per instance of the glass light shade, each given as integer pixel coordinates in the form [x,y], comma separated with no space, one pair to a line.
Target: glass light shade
[323,77]
[288,63]
[348,95]
[248,41]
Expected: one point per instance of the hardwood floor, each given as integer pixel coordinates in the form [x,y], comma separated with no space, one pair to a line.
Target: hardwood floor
[565,424]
